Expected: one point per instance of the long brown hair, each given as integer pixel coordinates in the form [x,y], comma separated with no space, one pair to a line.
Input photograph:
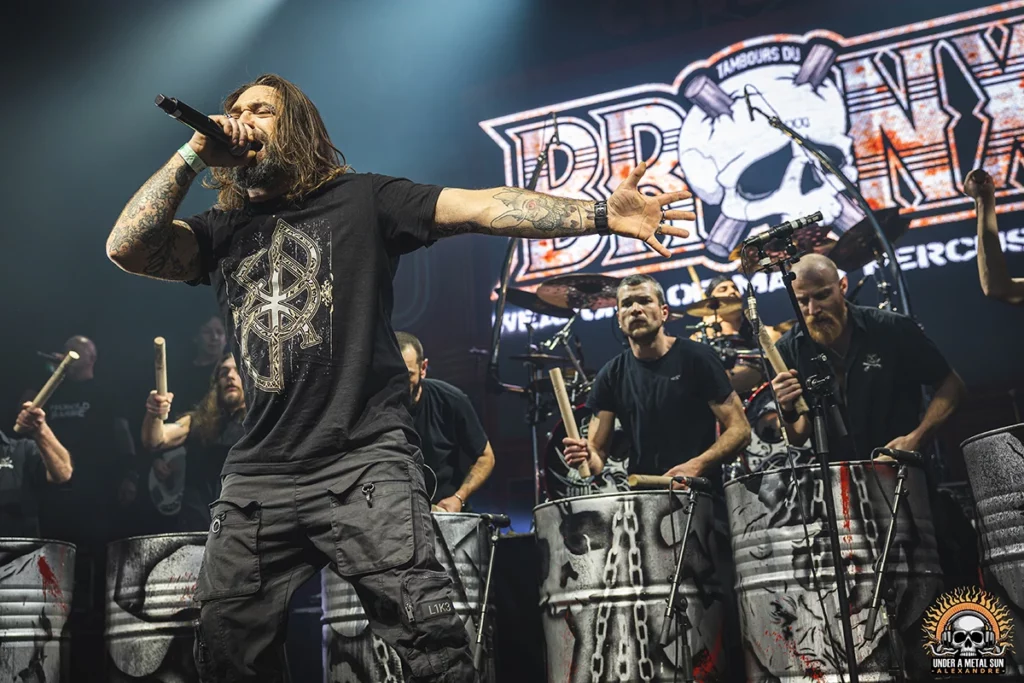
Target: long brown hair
[211,415]
[301,140]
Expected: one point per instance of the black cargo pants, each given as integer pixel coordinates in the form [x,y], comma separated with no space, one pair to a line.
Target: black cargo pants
[368,514]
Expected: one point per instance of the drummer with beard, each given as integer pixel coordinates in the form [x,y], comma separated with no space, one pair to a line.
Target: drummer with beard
[667,392]
[879,359]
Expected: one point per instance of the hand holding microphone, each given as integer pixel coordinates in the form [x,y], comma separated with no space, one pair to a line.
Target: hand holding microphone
[220,141]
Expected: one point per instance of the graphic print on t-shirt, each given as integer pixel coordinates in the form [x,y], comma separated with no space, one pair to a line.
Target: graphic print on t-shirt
[288,295]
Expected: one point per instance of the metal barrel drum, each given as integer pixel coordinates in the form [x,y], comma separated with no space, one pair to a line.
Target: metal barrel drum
[36,589]
[788,618]
[353,654]
[607,563]
[995,468]
[151,583]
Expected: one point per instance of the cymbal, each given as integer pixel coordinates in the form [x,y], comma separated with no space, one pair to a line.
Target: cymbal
[580,291]
[813,238]
[531,302]
[541,359]
[856,247]
[723,305]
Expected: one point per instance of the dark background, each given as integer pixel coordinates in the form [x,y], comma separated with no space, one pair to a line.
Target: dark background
[403,87]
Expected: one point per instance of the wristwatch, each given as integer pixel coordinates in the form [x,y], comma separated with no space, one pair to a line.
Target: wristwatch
[601,218]
[790,415]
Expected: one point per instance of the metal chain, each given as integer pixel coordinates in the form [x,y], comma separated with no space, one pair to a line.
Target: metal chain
[636,581]
[611,575]
[383,656]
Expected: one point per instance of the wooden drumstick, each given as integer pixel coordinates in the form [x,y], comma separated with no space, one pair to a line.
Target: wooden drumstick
[51,384]
[565,408]
[648,481]
[160,365]
[779,365]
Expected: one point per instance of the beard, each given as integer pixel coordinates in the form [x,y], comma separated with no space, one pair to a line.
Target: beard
[644,333]
[826,328]
[232,401]
[414,391]
[262,175]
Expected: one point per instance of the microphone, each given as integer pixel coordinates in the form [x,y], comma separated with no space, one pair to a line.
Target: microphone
[782,230]
[696,483]
[497,520]
[904,457]
[746,96]
[200,123]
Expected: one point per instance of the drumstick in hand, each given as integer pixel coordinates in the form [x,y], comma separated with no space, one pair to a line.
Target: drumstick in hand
[648,481]
[160,365]
[51,384]
[779,365]
[565,408]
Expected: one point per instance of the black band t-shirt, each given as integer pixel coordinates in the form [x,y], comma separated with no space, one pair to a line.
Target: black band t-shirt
[22,477]
[878,382]
[306,291]
[663,404]
[450,434]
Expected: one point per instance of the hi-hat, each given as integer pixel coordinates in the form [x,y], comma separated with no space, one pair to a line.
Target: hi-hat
[723,305]
[531,302]
[579,291]
[541,359]
[858,246]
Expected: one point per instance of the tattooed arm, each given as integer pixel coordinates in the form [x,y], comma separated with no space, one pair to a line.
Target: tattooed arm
[146,240]
[515,212]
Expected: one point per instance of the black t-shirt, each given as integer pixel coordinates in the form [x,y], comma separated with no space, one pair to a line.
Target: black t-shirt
[203,465]
[307,292]
[878,382]
[663,404]
[189,383]
[22,476]
[450,434]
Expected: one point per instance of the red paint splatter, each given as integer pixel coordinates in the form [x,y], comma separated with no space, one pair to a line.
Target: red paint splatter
[703,670]
[844,492]
[50,583]
[810,668]
[624,172]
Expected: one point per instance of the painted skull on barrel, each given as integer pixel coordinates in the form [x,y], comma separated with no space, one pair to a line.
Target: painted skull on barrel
[754,173]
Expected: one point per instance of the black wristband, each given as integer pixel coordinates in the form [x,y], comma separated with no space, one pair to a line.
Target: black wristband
[601,218]
[790,416]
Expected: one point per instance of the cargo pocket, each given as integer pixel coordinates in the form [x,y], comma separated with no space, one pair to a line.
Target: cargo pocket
[430,613]
[372,524]
[231,565]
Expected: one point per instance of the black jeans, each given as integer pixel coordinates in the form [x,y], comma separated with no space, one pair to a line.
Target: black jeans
[368,514]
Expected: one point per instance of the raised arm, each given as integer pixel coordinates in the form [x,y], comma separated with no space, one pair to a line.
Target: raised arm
[158,435]
[515,212]
[995,278]
[56,459]
[146,240]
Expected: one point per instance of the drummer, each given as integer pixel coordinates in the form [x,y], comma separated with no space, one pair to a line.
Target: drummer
[880,360]
[731,323]
[450,432]
[667,392]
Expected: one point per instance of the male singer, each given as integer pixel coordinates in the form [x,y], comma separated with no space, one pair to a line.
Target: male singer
[668,392]
[302,252]
[449,430]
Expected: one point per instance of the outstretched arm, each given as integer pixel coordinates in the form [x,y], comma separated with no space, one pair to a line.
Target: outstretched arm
[516,212]
[995,276]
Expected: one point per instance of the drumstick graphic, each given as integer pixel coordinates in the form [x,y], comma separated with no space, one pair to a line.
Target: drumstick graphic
[779,365]
[51,384]
[160,365]
[648,481]
[565,408]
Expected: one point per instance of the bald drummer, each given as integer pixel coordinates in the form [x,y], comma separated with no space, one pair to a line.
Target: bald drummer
[880,361]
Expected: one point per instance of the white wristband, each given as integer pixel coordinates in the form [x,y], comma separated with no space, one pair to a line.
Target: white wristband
[191,158]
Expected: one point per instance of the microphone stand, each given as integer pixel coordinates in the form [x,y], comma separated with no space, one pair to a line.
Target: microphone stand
[823,407]
[493,375]
[677,609]
[478,651]
[884,608]
[894,269]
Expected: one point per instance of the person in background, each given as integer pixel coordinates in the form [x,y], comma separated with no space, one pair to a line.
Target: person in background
[208,432]
[27,465]
[450,432]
